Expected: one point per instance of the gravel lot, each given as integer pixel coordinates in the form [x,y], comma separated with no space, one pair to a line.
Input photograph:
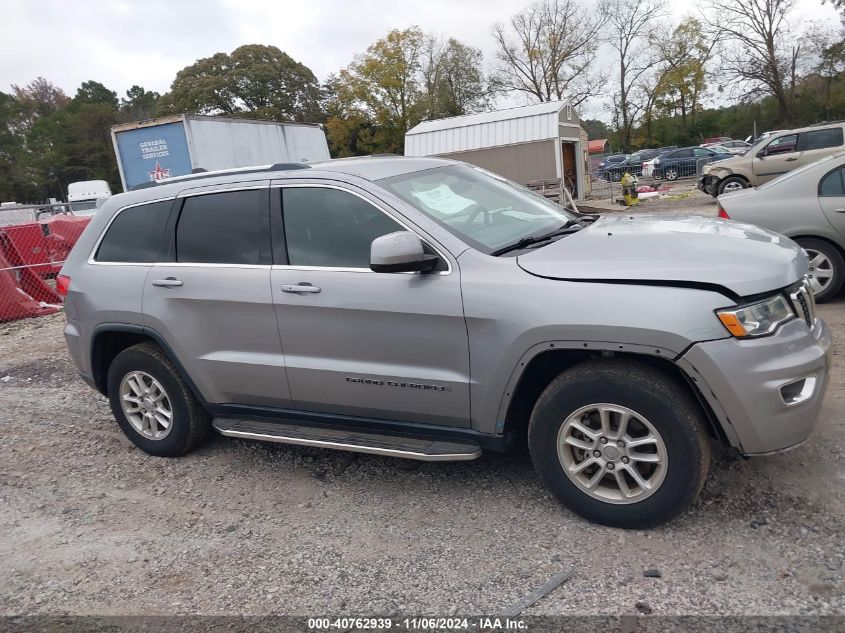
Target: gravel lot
[93,526]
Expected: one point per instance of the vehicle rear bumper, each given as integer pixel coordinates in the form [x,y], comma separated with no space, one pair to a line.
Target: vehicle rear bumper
[76,348]
[709,184]
[742,380]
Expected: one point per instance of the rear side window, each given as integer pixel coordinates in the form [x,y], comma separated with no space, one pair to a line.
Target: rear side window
[820,139]
[220,228]
[682,153]
[331,228]
[135,234]
[833,183]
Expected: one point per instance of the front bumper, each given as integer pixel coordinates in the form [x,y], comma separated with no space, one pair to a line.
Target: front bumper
[709,184]
[742,380]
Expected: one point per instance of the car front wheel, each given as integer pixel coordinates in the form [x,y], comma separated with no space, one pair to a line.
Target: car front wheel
[732,183]
[620,443]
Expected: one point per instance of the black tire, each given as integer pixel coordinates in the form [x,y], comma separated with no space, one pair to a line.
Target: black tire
[669,408]
[190,423]
[837,264]
[731,180]
[671,173]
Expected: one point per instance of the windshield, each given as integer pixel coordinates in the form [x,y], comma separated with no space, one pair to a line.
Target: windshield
[83,205]
[482,209]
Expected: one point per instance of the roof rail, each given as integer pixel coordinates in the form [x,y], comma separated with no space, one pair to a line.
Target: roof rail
[827,123]
[198,173]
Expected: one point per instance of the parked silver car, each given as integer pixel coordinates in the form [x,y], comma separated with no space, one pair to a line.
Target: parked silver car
[808,205]
[424,308]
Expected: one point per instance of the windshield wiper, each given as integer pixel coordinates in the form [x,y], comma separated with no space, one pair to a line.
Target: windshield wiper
[570,226]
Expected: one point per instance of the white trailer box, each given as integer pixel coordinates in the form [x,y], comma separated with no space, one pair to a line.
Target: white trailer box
[177,145]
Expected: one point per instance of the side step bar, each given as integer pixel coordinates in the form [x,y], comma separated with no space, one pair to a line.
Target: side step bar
[409,447]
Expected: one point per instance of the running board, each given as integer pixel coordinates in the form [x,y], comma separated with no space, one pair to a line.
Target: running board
[409,447]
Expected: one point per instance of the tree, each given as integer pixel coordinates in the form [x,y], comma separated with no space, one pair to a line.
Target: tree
[839,5]
[548,50]
[95,92]
[682,55]
[629,23]
[383,87]
[759,54]
[254,80]
[139,104]
[452,77]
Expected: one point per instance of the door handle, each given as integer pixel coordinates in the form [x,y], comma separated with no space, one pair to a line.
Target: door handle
[789,160]
[840,210]
[301,288]
[170,282]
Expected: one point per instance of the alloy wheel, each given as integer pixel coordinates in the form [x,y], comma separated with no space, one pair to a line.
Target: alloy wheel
[732,186]
[821,270]
[146,405]
[671,174]
[612,453]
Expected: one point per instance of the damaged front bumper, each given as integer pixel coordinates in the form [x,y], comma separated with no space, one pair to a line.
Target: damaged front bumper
[765,392]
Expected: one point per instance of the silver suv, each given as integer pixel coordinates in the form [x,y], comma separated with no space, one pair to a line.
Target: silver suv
[424,308]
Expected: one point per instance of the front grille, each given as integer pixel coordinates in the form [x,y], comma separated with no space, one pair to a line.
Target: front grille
[803,301]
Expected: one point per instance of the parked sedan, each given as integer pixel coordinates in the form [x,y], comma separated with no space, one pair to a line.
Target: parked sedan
[632,165]
[685,162]
[807,204]
[610,161]
[736,147]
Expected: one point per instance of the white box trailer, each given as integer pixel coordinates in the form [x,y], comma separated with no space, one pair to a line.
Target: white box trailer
[177,145]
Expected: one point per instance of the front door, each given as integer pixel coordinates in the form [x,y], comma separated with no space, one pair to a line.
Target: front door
[381,345]
[211,301]
[778,157]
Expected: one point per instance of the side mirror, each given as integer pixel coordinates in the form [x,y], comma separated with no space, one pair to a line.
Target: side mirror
[400,252]
[762,153]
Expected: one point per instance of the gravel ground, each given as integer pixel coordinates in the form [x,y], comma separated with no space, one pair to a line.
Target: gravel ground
[91,525]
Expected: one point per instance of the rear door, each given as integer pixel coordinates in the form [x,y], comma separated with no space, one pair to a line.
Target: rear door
[832,198]
[778,157]
[210,298]
[816,144]
[382,345]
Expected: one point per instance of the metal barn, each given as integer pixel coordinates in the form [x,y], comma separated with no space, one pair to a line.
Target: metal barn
[534,144]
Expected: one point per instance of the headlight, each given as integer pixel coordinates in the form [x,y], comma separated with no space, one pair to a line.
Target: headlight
[756,319]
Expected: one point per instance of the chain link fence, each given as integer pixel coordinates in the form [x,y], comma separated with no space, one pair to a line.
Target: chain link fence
[34,243]
[605,183]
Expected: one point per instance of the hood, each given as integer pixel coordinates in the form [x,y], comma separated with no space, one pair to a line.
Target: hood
[728,161]
[683,249]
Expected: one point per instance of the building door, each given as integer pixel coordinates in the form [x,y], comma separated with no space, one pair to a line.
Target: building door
[569,170]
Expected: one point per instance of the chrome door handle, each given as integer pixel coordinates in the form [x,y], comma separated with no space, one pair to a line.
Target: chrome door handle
[170,282]
[300,288]
[840,210]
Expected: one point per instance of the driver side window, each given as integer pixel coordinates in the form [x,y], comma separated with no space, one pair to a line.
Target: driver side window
[330,227]
[782,144]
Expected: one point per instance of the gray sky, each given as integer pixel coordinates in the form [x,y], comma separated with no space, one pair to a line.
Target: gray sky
[145,42]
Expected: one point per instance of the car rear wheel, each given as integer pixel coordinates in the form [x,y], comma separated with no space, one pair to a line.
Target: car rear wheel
[827,268]
[620,443]
[152,404]
[732,183]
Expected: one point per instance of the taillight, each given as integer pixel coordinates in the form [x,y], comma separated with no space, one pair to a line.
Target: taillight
[722,213]
[62,285]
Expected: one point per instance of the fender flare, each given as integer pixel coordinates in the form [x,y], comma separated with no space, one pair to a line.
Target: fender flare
[158,339]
